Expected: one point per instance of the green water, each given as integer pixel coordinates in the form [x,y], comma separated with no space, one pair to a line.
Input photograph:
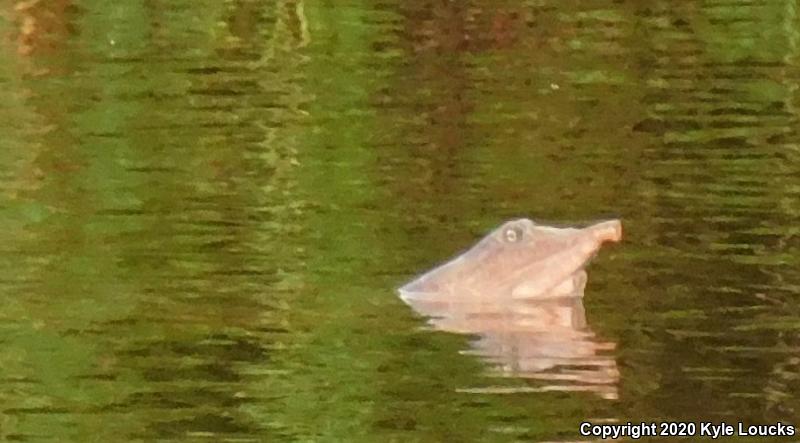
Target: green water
[206,207]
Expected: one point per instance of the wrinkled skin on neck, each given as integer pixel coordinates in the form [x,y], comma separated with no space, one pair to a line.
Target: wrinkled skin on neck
[518,260]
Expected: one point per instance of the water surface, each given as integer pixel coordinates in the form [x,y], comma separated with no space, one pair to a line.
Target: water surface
[206,207]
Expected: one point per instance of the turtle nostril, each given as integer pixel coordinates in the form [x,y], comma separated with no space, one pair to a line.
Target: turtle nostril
[607,231]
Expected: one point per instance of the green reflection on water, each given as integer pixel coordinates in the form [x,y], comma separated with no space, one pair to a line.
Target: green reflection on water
[207,205]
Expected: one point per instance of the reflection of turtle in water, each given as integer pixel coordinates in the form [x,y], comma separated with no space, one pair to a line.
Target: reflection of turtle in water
[520,290]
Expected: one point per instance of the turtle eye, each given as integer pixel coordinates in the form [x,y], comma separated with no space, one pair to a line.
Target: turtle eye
[512,234]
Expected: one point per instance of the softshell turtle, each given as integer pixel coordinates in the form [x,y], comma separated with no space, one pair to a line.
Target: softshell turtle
[520,259]
[520,291]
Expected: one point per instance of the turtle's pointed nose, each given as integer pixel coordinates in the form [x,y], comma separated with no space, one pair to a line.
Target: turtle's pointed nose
[610,231]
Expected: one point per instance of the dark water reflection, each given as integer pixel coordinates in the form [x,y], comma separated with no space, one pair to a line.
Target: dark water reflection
[206,207]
